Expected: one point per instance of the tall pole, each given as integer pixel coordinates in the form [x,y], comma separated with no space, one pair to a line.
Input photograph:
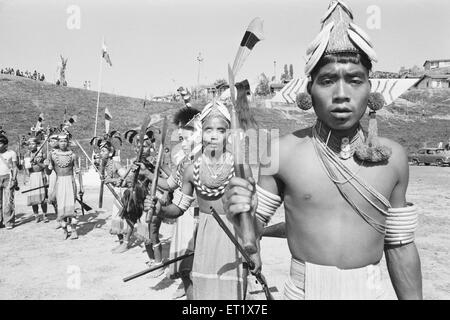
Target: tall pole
[275,70]
[199,59]
[98,90]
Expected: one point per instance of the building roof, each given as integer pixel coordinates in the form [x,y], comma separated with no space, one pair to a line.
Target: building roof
[438,76]
[436,60]
[277,85]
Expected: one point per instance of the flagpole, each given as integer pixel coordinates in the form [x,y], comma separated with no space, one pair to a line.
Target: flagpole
[99,89]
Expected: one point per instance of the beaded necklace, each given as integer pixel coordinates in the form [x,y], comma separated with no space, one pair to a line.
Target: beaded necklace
[206,184]
[180,170]
[343,147]
[62,158]
[334,168]
[109,168]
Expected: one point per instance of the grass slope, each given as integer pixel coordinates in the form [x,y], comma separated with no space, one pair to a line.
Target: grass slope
[22,100]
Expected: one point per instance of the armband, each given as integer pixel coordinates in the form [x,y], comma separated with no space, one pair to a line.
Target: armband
[181,200]
[401,224]
[172,183]
[268,203]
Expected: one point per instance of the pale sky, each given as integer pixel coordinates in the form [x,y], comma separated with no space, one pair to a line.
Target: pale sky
[154,44]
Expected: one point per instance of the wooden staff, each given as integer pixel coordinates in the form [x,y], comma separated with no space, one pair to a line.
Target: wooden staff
[139,156]
[246,222]
[40,148]
[162,265]
[80,181]
[37,188]
[258,275]
[102,183]
[107,185]
[151,212]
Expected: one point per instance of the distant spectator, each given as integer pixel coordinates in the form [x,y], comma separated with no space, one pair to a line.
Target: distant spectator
[447,146]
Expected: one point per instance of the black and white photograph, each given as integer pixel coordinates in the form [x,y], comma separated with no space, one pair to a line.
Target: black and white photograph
[238,151]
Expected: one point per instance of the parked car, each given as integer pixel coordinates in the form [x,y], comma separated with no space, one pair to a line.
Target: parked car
[427,156]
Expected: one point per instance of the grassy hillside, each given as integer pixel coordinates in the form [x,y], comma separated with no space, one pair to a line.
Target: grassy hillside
[22,100]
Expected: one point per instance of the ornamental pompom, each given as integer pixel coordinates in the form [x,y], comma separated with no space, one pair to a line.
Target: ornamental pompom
[376,101]
[304,101]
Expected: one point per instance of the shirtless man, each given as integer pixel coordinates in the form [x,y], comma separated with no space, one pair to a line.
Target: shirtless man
[344,198]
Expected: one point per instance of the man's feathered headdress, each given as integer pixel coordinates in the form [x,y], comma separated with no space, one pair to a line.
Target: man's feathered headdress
[107,140]
[338,35]
[132,135]
[184,116]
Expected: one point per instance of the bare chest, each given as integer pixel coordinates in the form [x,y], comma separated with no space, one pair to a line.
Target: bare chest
[306,180]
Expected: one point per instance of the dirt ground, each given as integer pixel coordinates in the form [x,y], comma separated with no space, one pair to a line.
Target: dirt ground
[37,264]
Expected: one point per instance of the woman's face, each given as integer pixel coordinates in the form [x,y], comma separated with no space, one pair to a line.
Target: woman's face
[185,136]
[63,143]
[32,145]
[104,153]
[53,143]
[214,135]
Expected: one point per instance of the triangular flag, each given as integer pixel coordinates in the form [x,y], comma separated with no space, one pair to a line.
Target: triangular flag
[105,54]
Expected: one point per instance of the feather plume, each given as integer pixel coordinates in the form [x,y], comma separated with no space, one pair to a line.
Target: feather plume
[362,33]
[333,6]
[253,35]
[362,44]
[319,38]
[317,54]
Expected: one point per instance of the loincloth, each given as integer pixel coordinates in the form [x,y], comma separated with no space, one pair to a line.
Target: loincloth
[309,281]
[217,271]
[181,243]
[36,197]
[65,195]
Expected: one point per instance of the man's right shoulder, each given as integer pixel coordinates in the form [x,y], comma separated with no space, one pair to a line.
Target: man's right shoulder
[294,139]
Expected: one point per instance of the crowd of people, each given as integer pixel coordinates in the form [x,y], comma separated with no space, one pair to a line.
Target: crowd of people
[343,189]
[25,74]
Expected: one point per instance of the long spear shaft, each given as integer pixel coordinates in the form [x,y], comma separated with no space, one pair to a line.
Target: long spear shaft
[154,187]
[248,230]
[102,184]
[37,188]
[98,92]
[258,275]
[40,148]
[92,163]
[136,275]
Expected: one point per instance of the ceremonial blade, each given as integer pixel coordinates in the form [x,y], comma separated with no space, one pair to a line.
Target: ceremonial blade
[246,223]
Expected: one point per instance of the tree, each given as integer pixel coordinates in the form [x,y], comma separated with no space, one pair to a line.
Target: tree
[263,88]
[220,83]
[285,75]
[291,71]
